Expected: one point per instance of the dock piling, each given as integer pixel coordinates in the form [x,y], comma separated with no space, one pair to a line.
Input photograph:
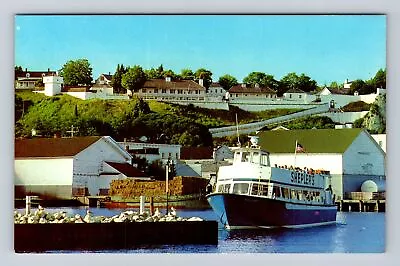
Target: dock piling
[142,204]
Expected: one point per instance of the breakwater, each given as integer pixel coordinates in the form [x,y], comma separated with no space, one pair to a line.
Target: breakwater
[41,231]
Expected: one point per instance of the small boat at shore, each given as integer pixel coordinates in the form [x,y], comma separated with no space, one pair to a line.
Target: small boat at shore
[251,194]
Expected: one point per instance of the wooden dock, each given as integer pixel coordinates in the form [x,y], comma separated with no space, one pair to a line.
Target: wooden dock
[352,205]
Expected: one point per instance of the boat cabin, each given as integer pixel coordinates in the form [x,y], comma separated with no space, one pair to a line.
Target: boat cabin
[254,156]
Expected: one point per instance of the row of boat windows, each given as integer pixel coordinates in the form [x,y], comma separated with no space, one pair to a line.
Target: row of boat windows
[272,191]
[252,157]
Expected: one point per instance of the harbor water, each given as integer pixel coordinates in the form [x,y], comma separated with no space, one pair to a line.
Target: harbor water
[355,232]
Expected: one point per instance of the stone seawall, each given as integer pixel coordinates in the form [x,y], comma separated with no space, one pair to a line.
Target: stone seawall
[178,186]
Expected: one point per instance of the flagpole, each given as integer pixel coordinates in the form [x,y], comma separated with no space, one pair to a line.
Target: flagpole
[295,152]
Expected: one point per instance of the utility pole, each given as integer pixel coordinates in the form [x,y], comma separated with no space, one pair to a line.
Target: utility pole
[72,131]
[166,181]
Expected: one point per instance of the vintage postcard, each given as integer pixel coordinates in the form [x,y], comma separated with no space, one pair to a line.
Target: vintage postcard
[200,133]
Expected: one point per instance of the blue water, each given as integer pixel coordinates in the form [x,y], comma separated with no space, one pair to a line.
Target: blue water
[355,232]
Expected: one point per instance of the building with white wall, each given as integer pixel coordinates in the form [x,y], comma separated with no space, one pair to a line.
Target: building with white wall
[27,79]
[351,155]
[244,93]
[65,168]
[296,95]
[171,90]
[53,85]
[146,150]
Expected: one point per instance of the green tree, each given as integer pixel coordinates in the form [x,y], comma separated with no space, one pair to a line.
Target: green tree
[133,79]
[357,85]
[205,75]
[380,79]
[187,74]
[169,73]
[293,81]
[334,85]
[77,72]
[117,79]
[153,73]
[17,72]
[227,81]
[39,84]
[262,79]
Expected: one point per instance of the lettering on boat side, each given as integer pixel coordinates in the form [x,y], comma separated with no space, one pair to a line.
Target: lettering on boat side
[302,178]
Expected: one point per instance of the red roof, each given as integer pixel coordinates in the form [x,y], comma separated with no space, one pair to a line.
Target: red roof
[52,147]
[240,89]
[76,88]
[127,169]
[196,153]
[35,74]
[179,84]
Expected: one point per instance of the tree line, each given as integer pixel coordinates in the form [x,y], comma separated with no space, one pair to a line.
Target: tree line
[79,72]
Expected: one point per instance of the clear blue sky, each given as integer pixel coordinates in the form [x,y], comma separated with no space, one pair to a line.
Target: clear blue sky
[326,47]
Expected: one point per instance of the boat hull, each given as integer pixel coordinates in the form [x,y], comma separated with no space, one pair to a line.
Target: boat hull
[247,212]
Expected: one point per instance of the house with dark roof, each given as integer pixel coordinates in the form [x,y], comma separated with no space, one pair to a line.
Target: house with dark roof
[104,79]
[171,90]
[295,94]
[351,155]
[64,168]
[251,93]
[27,79]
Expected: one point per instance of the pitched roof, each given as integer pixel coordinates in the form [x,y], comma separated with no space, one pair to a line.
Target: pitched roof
[127,169]
[196,153]
[215,85]
[35,74]
[312,140]
[52,147]
[108,76]
[240,89]
[295,90]
[178,84]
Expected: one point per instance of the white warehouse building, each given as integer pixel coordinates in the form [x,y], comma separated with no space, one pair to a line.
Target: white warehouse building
[351,155]
[64,168]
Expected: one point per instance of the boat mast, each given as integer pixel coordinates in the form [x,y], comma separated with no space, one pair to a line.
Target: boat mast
[237,131]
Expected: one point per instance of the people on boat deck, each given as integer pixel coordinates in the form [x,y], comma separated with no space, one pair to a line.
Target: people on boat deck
[305,169]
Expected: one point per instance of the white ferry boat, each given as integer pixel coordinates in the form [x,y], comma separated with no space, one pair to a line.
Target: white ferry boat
[251,194]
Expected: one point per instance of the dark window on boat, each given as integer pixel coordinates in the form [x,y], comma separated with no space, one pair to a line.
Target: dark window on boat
[276,191]
[245,156]
[259,189]
[241,188]
[286,193]
[224,188]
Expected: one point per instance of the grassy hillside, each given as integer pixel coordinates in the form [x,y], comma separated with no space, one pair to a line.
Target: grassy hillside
[161,122]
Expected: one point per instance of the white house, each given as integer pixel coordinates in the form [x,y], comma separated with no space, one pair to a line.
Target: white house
[351,155]
[251,94]
[152,151]
[295,95]
[104,79]
[69,167]
[216,93]
[27,79]
[171,90]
